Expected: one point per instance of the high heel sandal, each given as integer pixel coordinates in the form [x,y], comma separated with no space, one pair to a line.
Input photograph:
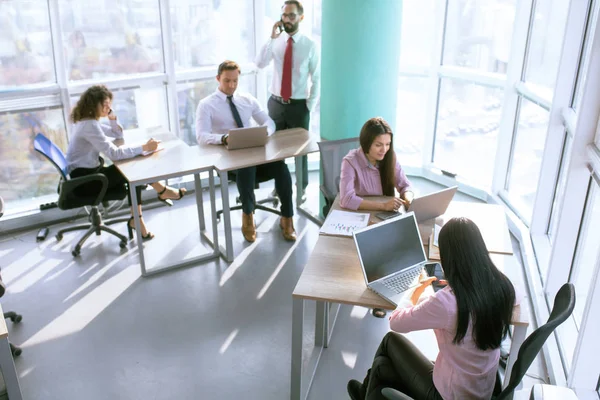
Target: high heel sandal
[131,228]
[169,202]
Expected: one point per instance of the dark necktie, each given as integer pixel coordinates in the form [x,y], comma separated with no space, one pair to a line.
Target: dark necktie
[286,76]
[234,111]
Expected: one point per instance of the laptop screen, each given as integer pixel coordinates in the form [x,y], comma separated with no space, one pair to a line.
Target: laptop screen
[389,247]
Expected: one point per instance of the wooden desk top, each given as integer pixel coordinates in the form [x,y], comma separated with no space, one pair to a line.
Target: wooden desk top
[333,274]
[281,145]
[176,159]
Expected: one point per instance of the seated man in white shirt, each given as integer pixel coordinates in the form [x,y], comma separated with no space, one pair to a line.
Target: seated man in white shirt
[226,109]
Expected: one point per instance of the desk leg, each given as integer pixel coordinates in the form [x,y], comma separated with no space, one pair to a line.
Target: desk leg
[519,335]
[9,372]
[226,216]
[297,333]
[300,192]
[213,211]
[321,324]
[138,228]
[199,203]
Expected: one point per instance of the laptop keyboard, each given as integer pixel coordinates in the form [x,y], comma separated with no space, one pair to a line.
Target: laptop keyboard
[403,281]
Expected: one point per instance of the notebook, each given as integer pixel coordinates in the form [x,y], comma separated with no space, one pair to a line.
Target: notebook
[391,256]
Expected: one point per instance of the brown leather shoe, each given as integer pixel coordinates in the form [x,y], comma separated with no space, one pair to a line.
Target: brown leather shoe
[287,228]
[248,227]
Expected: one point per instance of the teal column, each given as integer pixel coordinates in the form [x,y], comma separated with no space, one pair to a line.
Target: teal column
[360,51]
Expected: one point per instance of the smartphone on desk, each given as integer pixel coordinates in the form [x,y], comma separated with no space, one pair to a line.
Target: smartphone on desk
[435,269]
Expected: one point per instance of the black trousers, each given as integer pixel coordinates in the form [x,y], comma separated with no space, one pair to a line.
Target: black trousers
[400,365]
[278,170]
[293,115]
[116,182]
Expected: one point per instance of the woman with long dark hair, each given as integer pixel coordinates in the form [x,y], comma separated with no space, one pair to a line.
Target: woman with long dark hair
[470,318]
[89,138]
[372,170]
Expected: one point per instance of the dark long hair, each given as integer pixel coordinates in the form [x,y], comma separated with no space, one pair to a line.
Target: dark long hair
[87,105]
[387,167]
[483,293]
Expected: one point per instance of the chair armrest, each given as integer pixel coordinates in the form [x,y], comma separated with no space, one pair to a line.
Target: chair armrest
[69,185]
[393,394]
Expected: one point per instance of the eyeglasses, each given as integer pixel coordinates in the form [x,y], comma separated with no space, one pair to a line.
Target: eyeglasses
[291,17]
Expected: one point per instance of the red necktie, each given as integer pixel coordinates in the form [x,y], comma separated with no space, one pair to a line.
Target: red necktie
[286,77]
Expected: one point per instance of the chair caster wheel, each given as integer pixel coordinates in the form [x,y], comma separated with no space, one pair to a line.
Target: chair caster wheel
[16,351]
[76,251]
[59,237]
[122,244]
[17,318]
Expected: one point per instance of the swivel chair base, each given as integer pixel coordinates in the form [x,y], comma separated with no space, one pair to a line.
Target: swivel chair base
[96,225]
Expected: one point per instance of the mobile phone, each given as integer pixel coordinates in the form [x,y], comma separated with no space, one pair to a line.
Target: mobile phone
[280,26]
[435,269]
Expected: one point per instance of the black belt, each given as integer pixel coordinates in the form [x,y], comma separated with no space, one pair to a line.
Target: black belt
[280,100]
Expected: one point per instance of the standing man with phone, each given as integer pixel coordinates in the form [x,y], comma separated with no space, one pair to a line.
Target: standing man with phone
[296,60]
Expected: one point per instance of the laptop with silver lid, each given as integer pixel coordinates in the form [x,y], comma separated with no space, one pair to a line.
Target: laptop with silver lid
[243,138]
[391,256]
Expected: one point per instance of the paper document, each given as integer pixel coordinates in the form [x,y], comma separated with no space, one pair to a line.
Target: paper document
[343,223]
[147,153]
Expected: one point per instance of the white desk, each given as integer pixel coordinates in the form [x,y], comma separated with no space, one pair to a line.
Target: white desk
[177,159]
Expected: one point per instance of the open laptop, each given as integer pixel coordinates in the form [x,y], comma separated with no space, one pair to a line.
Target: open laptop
[391,256]
[426,207]
[242,138]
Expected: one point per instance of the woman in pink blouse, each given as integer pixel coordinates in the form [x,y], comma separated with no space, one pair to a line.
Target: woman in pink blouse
[470,318]
[372,170]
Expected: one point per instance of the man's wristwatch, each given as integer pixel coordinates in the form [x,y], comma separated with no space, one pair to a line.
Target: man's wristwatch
[224,139]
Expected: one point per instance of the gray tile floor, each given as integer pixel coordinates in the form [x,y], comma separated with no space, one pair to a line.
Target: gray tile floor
[94,329]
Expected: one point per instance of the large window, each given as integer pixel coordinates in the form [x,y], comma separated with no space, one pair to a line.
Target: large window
[207,32]
[411,123]
[25,174]
[111,38]
[529,141]
[466,133]
[479,33]
[545,43]
[25,45]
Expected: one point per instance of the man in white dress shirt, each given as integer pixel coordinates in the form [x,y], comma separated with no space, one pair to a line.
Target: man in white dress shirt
[227,109]
[295,60]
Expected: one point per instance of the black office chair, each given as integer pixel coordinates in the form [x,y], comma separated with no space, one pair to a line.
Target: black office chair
[332,153]
[14,317]
[69,199]
[259,203]
[564,303]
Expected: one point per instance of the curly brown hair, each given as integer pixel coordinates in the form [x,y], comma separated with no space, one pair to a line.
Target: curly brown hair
[87,105]
[371,129]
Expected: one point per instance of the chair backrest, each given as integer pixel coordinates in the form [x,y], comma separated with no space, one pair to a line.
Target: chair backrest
[332,152]
[564,303]
[52,152]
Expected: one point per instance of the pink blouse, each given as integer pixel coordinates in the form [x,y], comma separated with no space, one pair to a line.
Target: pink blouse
[360,178]
[461,371]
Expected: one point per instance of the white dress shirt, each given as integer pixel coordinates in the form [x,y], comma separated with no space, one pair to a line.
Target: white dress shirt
[90,138]
[214,117]
[305,64]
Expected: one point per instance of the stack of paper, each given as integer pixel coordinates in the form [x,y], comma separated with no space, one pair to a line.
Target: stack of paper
[343,223]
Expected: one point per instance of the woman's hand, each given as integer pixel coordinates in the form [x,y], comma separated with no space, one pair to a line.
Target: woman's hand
[414,298]
[111,115]
[392,205]
[407,198]
[151,145]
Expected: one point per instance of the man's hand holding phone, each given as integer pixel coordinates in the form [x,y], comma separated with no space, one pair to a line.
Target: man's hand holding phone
[277,29]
